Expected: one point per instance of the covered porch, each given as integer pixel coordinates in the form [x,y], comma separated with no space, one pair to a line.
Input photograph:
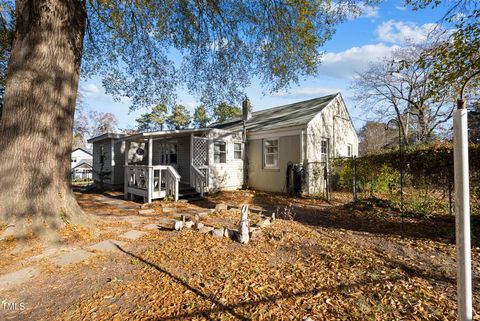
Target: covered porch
[166,163]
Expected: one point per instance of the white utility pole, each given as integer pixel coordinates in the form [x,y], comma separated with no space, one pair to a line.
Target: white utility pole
[462,215]
[462,208]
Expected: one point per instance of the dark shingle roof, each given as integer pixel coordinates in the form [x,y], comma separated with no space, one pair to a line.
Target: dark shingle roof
[295,114]
[84,162]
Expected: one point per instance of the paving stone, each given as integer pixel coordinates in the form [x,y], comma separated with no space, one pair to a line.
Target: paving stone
[264,223]
[127,207]
[133,234]
[17,277]
[151,227]
[106,246]
[218,232]
[166,220]
[146,211]
[71,257]
[206,229]
[169,209]
[221,207]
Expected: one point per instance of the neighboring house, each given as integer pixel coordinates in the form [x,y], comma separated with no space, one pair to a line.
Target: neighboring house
[81,164]
[259,151]
[83,170]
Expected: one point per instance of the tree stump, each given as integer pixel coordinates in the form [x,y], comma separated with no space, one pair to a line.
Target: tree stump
[244,235]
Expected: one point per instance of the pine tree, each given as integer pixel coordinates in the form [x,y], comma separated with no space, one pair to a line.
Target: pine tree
[179,118]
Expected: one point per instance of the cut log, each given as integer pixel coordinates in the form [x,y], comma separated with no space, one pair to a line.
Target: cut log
[178,225]
[244,235]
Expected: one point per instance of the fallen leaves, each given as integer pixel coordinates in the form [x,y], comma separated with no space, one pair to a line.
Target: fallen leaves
[285,274]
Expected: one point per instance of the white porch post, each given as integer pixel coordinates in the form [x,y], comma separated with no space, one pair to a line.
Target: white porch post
[150,170]
[125,170]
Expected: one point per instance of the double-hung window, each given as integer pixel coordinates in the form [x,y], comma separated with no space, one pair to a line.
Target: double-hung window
[324,150]
[237,150]
[270,153]
[349,150]
[220,152]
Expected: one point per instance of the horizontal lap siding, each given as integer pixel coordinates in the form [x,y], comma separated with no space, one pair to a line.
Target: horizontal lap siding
[107,166]
[271,180]
[119,162]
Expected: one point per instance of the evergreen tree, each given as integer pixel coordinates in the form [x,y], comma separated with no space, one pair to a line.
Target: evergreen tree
[201,117]
[224,112]
[153,120]
[179,118]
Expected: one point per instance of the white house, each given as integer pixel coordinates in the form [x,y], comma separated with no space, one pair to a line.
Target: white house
[279,149]
[81,164]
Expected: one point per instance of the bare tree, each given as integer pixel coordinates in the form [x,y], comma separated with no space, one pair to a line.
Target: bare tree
[374,136]
[102,123]
[400,87]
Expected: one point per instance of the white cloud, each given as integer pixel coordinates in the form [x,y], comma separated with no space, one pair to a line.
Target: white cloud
[90,89]
[369,11]
[306,92]
[401,8]
[400,32]
[346,64]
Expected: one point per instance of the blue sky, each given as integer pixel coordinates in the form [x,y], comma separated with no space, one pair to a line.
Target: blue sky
[357,42]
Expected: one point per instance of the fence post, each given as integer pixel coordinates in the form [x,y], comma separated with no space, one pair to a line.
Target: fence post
[450,190]
[354,178]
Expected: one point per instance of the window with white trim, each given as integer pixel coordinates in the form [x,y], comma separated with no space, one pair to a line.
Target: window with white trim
[219,152]
[270,153]
[324,150]
[349,150]
[237,150]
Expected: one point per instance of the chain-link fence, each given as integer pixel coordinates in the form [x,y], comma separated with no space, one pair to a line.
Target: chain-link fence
[418,181]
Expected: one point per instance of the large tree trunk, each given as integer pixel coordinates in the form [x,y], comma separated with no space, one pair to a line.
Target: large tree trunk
[36,126]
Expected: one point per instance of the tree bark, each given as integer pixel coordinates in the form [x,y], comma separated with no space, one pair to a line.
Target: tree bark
[36,126]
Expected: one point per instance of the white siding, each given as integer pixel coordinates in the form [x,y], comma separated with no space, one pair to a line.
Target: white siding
[119,162]
[334,124]
[229,175]
[78,156]
[107,165]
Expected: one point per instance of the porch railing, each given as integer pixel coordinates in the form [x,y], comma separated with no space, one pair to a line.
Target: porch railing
[198,179]
[151,182]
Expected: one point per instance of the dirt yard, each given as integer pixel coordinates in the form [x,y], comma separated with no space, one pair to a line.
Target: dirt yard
[323,261]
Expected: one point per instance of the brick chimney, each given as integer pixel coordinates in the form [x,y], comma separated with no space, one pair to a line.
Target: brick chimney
[246,109]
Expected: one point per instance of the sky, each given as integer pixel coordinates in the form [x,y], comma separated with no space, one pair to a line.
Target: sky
[356,44]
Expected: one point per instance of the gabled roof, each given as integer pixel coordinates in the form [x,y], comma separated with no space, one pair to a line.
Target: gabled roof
[165,133]
[82,149]
[106,136]
[290,115]
[87,162]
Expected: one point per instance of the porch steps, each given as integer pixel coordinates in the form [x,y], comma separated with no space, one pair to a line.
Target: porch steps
[190,195]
